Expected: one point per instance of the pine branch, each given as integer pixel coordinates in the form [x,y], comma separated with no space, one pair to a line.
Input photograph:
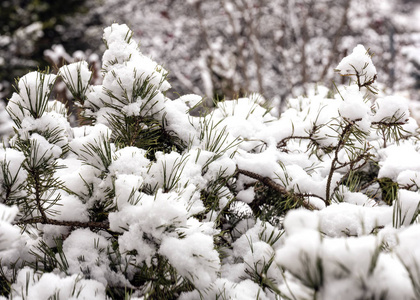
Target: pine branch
[384,123]
[275,186]
[45,220]
[38,200]
[341,143]
[283,142]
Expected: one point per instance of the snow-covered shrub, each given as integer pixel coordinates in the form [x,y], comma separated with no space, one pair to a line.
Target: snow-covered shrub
[145,201]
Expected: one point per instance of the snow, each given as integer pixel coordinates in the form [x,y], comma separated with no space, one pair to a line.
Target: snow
[167,170]
[11,161]
[194,257]
[70,208]
[247,195]
[95,97]
[30,285]
[409,204]
[354,107]
[86,252]
[390,272]
[119,43]
[300,220]
[300,255]
[398,159]
[260,163]
[75,174]
[8,233]
[43,151]
[91,136]
[246,290]
[53,122]
[391,109]
[408,250]
[344,261]
[346,219]
[357,198]
[34,90]
[358,63]
[147,220]
[76,76]
[178,120]
[126,189]
[122,49]
[191,100]
[259,257]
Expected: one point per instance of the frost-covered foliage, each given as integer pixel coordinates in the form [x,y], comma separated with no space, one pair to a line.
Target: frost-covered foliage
[145,201]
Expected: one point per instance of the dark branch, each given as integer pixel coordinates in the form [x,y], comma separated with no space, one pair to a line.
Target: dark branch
[272,184]
[40,220]
[382,123]
[341,144]
[284,141]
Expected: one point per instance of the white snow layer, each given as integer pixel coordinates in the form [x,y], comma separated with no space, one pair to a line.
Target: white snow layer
[358,63]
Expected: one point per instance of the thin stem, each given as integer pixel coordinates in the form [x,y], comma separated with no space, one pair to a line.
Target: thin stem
[36,175]
[41,220]
[389,123]
[341,143]
[283,143]
[278,188]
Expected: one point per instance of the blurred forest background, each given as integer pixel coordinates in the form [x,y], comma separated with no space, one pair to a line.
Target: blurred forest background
[220,48]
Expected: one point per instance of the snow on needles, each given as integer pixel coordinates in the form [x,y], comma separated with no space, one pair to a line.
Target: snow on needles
[359,64]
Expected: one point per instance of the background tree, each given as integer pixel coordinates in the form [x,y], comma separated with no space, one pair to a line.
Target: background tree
[233,47]
[276,48]
[27,29]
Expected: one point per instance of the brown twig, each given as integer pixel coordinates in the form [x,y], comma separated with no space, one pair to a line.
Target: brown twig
[284,141]
[341,143]
[38,193]
[382,123]
[272,184]
[41,220]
